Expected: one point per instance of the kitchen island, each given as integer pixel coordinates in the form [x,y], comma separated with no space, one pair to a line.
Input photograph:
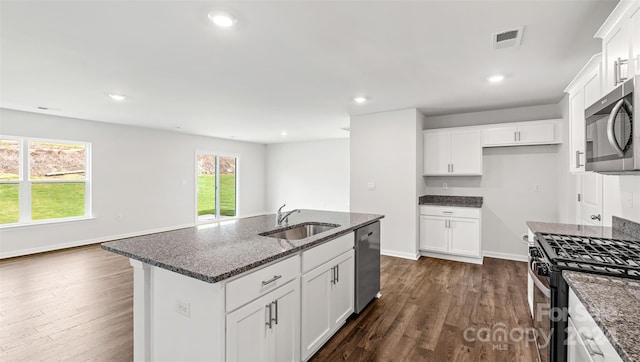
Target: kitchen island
[198,291]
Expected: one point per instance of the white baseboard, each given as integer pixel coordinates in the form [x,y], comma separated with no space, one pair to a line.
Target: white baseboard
[507,256]
[464,259]
[399,254]
[42,249]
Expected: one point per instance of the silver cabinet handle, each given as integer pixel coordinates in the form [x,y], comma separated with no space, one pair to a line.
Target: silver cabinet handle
[337,273]
[449,167]
[595,217]
[578,153]
[452,167]
[617,70]
[588,341]
[447,212]
[515,136]
[333,275]
[276,304]
[268,323]
[267,282]
[519,138]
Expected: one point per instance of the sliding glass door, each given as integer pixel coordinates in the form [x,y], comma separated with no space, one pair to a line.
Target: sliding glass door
[216,186]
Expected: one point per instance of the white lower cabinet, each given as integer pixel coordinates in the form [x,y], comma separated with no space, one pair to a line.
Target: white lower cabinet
[586,342]
[450,231]
[327,301]
[268,328]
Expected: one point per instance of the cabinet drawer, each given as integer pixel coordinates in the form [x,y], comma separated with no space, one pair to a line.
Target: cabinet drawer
[450,211]
[320,254]
[590,333]
[249,287]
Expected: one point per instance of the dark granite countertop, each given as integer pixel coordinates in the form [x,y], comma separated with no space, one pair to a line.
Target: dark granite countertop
[579,230]
[448,200]
[214,252]
[614,304]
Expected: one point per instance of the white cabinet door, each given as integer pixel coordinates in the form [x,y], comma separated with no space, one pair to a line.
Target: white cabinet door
[342,289]
[433,234]
[577,131]
[285,343]
[576,350]
[591,204]
[592,86]
[634,32]
[327,300]
[465,237]
[316,308]
[536,133]
[247,332]
[614,46]
[437,153]
[466,152]
[500,136]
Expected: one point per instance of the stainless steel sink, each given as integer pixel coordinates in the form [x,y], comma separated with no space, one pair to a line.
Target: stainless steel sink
[301,231]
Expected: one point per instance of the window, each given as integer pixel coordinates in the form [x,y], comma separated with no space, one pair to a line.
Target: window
[216,186]
[43,180]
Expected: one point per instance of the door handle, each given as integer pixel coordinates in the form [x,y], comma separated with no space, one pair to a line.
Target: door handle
[596,217]
[611,136]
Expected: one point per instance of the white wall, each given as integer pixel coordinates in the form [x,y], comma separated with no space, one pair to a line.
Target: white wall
[507,183]
[309,175]
[384,151]
[617,191]
[146,175]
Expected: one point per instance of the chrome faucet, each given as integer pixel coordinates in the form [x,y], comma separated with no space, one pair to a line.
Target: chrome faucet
[283,217]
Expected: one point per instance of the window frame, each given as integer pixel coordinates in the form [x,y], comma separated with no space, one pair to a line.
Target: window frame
[24,182]
[217,217]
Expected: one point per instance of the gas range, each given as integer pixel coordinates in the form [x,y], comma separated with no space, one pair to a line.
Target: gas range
[554,253]
[612,257]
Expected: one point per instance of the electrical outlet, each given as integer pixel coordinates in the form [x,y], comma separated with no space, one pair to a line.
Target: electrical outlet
[371,185]
[183,308]
[537,188]
[444,186]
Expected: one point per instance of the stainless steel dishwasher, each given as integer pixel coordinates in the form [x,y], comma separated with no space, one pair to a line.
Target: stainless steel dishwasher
[367,248]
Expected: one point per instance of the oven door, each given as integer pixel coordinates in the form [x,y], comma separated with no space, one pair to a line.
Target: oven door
[541,310]
[610,132]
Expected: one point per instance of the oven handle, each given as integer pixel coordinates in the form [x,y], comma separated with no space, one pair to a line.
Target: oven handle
[546,291]
[610,128]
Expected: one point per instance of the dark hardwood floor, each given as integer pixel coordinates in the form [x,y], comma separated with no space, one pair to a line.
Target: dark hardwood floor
[76,304]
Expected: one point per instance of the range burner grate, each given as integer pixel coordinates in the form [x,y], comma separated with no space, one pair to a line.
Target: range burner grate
[593,255]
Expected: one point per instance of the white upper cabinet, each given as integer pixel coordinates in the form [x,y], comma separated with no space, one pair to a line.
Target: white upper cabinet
[634,33]
[452,152]
[584,90]
[619,34]
[520,134]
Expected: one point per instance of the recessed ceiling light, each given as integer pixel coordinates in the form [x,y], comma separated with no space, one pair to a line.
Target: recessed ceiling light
[117,97]
[283,133]
[360,99]
[222,19]
[496,78]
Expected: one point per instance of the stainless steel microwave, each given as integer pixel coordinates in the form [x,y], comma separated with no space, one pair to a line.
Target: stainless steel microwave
[613,131]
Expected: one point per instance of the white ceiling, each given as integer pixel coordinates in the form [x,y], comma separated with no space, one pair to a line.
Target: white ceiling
[287,65]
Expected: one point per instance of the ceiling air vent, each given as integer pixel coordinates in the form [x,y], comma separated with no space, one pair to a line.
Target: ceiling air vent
[508,38]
